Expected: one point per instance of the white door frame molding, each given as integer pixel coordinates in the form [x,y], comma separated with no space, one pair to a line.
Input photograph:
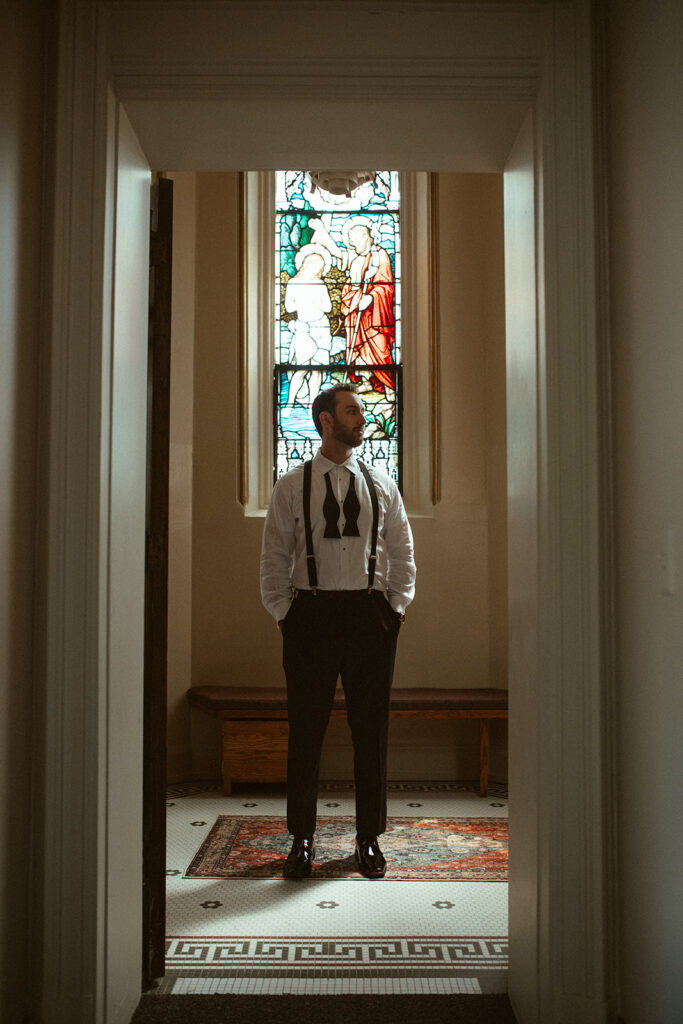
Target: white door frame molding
[561,715]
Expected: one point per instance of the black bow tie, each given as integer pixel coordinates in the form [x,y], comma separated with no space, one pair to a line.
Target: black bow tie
[350,508]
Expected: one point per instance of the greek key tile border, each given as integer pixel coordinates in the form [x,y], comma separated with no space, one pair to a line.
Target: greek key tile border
[314,964]
[338,954]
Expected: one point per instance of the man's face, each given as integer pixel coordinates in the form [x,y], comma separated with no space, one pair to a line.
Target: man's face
[348,422]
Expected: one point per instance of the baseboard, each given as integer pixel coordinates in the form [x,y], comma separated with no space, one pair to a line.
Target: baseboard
[194,784]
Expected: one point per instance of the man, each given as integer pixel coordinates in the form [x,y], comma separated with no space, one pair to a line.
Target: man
[337,574]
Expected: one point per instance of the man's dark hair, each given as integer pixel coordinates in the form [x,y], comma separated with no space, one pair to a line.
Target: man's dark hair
[325,401]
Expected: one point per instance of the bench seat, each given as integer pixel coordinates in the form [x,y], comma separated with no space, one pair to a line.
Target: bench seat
[255,723]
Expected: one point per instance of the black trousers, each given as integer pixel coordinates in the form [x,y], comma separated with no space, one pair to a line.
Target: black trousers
[351,634]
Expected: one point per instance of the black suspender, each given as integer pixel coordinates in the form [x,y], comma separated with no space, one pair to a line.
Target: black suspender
[372,561]
[310,555]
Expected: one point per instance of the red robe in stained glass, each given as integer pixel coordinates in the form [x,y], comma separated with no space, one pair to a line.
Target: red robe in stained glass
[370,340]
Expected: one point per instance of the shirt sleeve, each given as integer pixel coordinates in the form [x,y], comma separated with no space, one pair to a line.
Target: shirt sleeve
[398,538]
[277,552]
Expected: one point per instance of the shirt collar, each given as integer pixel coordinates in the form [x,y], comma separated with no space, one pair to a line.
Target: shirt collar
[322,464]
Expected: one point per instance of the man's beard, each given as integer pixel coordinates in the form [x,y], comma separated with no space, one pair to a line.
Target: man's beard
[347,435]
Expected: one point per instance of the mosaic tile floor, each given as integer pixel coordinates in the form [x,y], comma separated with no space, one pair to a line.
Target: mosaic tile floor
[272,936]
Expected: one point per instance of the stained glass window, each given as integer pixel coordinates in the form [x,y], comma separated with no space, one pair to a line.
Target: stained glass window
[337,312]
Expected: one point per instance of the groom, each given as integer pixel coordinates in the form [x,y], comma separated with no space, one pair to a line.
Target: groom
[337,573]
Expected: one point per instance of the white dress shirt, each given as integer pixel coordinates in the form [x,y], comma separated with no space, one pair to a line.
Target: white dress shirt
[342,563]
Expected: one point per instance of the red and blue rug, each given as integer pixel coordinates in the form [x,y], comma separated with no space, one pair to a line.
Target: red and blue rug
[416,849]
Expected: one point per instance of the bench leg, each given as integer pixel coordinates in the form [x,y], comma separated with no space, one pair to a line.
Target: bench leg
[483,756]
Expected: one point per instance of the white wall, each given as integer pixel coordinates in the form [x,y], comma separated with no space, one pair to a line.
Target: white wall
[124,429]
[646,208]
[522,418]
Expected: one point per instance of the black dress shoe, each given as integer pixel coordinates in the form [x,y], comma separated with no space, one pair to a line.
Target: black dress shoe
[300,860]
[370,858]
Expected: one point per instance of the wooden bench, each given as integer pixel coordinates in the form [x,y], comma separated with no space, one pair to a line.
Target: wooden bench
[255,723]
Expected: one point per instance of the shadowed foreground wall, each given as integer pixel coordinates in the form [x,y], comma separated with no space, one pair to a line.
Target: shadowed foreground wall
[22,246]
[646,213]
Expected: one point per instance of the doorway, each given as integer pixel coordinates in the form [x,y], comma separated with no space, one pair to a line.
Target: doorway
[450,639]
[556,664]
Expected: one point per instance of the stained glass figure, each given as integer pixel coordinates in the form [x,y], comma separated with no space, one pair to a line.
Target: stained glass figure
[337,310]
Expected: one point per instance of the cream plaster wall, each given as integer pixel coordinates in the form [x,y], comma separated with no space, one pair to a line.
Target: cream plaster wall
[456,629]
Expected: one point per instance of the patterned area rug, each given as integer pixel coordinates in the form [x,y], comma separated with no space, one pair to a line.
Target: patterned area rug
[416,849]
